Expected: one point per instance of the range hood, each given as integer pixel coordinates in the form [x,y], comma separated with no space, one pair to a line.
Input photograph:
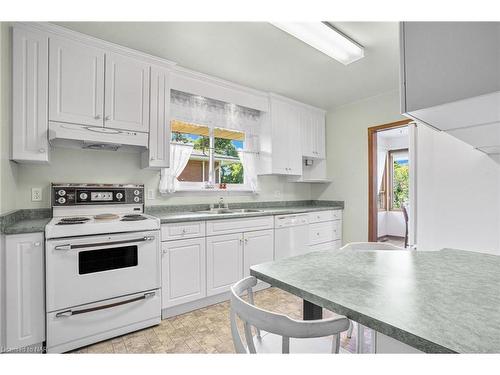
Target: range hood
[96,138]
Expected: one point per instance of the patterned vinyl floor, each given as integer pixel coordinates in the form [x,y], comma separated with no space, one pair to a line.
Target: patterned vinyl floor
[203,331]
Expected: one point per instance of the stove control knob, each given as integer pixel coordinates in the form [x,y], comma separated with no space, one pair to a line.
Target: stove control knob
[119,196]
[61,200]
[62,193]
[136,192]
[83,196]
[137,199]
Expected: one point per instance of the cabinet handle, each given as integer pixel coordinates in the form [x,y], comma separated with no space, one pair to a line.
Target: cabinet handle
[107,118]
[36,244]
[246,240]
[41,151]
[97,117]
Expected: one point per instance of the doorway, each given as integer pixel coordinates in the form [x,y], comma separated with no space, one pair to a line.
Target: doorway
[389,183]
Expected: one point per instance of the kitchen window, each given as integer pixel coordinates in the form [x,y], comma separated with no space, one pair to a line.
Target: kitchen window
[215,157]
[398,179]
[214,145]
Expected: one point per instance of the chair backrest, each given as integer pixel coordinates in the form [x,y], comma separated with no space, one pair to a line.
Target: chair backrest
[371,246]
[405,213]
[273,322]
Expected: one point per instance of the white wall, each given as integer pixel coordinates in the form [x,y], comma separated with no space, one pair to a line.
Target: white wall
[347,153]
[458,195]
[70,165]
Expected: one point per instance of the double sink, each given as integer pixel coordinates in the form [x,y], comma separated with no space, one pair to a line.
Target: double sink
[220,211]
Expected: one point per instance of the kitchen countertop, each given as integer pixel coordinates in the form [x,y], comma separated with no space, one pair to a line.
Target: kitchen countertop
[34,220]
[434,301]
[176,217]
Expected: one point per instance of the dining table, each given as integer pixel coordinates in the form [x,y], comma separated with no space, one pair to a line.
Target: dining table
[444,301]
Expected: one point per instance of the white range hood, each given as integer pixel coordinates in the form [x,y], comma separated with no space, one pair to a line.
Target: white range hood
[92,137]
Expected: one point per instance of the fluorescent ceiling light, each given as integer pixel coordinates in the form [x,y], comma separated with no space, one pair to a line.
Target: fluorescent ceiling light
[325,38]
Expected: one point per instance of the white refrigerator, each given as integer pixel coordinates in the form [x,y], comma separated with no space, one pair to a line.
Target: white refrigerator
[454,194]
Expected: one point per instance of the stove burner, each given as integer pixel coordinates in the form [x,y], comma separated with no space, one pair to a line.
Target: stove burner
[73,219]
[70,222]
[133,217]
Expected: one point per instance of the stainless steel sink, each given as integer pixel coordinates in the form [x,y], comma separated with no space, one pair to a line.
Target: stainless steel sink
[246,210]
[218,211]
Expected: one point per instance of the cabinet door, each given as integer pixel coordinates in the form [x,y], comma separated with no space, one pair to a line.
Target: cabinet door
[294,155]
[76,87]
[320,135]
[127,93]
[183,271]
[29,96]
[224,262]
[158,155]
[307,131]
[279,136]
[258,248]
[25,290]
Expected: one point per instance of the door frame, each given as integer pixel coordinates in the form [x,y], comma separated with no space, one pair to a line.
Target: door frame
[372,174]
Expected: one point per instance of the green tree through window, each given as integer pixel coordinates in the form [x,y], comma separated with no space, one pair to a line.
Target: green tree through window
[400,181]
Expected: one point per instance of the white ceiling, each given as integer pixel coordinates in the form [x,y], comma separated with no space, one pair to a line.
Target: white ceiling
[258,55]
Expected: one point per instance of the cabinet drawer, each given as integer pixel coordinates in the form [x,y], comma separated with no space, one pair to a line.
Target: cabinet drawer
[333,245]
[320,216]
[177,231]
[324,232]
[225,226]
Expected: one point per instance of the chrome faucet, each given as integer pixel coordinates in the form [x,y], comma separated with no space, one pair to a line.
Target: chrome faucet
[221,202]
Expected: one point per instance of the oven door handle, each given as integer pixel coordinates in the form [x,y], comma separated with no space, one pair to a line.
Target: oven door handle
[68,313]
[98,244]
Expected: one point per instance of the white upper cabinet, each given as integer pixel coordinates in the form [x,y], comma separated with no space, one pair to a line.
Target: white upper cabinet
[127,93]
[158,153]
[312,133]
[76,89]
[450,77]
[280,139]
[29,96]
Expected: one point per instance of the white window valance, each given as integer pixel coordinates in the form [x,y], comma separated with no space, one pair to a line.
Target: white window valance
[217,114]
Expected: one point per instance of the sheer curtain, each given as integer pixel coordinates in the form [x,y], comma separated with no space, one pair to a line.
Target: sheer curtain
[179,157]
[248,160]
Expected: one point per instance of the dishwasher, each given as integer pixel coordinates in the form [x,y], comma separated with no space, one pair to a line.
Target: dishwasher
[291,235]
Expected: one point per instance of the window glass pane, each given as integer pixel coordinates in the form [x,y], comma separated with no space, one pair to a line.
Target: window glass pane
[228,168]
[400,176]
[197,169]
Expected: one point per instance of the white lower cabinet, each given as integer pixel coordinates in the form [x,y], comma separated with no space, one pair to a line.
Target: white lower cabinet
[24,290]
[258,248]
[183,271]
[224,262]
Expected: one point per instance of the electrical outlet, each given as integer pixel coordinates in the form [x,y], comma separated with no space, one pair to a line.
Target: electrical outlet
[277,194]
[36,194]
[151,194]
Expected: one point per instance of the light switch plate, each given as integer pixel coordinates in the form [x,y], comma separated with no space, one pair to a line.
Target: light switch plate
[36,194]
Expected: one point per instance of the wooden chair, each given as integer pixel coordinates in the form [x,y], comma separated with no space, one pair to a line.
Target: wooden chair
[277,333]
[373,246]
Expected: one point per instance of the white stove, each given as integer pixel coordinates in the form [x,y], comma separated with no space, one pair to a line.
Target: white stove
[102,264]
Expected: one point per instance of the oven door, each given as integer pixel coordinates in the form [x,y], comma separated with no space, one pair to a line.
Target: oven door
[82,270]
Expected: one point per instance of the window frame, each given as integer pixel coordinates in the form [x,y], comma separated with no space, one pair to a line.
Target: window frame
[192,186]
[385,187]
[390,176]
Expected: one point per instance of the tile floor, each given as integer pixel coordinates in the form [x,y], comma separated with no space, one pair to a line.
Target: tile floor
[203,331]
